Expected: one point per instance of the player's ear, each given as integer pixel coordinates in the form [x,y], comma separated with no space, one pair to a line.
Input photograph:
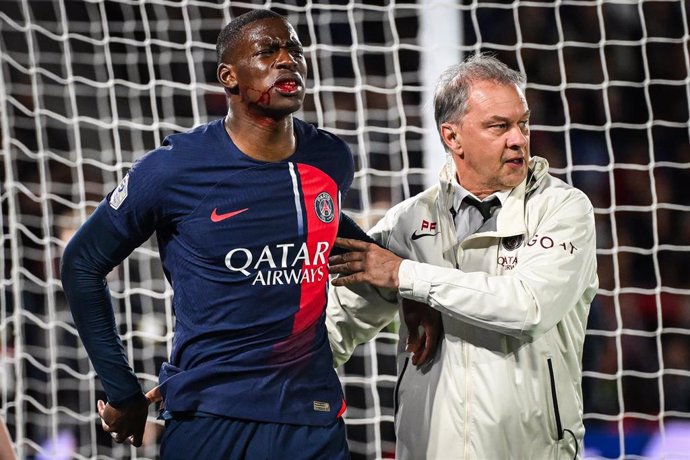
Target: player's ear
[227,77]
[450,137]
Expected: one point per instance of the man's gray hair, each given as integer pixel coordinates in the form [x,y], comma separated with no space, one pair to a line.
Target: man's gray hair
[453,88]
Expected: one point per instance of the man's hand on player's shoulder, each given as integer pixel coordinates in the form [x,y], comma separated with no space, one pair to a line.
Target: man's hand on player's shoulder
[364,263]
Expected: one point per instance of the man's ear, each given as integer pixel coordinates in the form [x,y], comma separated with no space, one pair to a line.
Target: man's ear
[450,137]
[227,77]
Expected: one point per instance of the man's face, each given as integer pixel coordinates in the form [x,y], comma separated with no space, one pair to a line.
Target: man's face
[492,147]
[267,68]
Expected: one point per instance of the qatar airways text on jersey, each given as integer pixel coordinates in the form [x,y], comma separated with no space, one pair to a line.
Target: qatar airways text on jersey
[285,263]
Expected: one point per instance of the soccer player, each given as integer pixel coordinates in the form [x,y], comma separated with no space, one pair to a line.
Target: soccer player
[245,210]
[506,254]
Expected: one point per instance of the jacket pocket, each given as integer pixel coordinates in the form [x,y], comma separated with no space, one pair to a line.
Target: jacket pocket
[396,394]
[569,446]
[554,401]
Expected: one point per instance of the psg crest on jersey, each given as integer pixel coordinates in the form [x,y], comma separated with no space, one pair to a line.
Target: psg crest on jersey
[323,205]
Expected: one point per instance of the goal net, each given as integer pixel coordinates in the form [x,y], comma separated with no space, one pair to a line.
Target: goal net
[86,87]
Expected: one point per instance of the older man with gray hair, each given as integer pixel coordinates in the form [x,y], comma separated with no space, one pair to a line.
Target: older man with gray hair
[505,253]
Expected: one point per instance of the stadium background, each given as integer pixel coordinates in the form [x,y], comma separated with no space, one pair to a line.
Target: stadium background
[88,86]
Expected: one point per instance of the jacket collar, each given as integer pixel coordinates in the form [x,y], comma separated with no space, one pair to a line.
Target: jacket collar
[510,219]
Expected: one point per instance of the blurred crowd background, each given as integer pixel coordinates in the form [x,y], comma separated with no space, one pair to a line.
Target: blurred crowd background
[87,87]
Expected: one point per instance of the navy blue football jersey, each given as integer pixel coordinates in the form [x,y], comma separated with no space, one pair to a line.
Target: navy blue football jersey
[245,245]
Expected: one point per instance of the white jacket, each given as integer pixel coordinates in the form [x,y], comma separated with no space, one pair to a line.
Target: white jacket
[505,382]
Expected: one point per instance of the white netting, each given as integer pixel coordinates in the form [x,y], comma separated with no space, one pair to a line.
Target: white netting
[88,86]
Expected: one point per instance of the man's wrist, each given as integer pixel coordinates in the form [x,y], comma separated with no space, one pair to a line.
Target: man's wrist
[410,284]
[405,278]
[396,274]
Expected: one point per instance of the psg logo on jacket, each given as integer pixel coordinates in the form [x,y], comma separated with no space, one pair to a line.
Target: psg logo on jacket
[323,205]
[512,243]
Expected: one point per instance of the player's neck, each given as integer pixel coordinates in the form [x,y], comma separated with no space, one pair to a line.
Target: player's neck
[263,138]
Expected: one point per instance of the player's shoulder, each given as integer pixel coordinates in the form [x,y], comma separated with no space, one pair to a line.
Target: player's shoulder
[177,154]
[205,137]
[319,138]
[326,151]
[180,150]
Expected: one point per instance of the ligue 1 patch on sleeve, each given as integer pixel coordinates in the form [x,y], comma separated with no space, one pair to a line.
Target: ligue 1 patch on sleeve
[119,194]
[321,406]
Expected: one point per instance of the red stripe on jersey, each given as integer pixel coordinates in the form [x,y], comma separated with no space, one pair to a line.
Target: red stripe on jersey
[343,408]
[320,198]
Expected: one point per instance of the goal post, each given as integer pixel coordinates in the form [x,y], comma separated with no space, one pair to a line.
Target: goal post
[88,86]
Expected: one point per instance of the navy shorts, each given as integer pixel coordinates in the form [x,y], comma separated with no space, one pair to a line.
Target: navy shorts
[212,438]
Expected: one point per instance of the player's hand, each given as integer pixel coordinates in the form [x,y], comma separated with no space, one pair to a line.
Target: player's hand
[127,424]
[416,314]
[364,263]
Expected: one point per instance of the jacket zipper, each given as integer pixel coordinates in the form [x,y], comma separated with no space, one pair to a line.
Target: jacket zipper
[554,398]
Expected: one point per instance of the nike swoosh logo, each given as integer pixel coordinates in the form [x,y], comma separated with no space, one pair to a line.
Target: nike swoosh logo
[416,236]
[215,217]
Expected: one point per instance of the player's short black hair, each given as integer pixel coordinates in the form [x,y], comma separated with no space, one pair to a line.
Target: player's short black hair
[231,32]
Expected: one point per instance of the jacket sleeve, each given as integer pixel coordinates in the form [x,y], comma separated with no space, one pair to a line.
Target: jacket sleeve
[556,268]
[90,255]
[355,314]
